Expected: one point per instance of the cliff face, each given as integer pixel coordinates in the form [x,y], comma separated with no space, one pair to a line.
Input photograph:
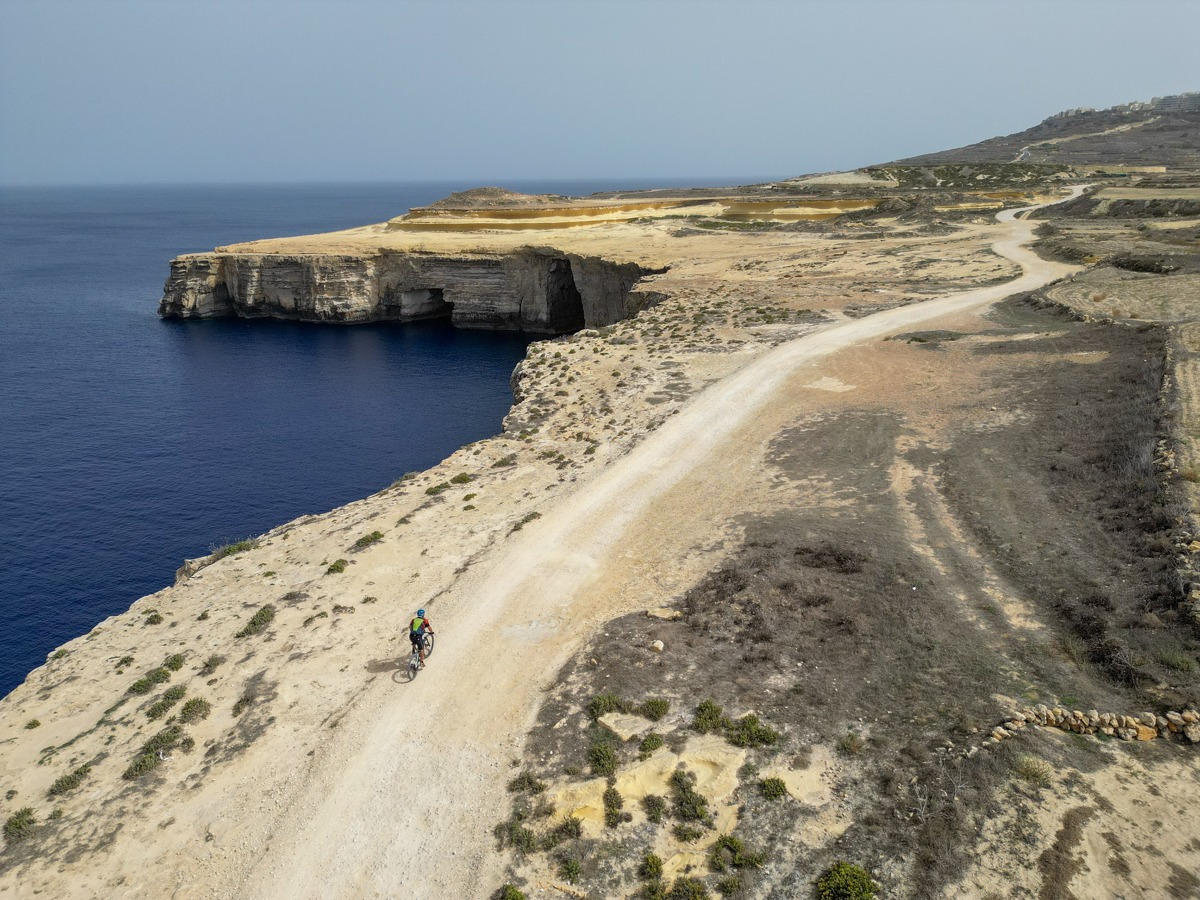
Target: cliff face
[530,289]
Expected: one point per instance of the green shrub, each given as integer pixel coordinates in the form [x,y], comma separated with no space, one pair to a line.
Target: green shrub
[654,708]
[147,682]
[688,889]
[148,759]
[649,744]
[502,462]
[655,807]
[845,881]
[526,782]
[603,758]
[231,549]
[730,886]
[651,868]
[525,520]
[613,804]
[515,835]
[568,829]
[210,664]
[170,697]
[508,892]
[603,704]
[368,539]
[1033,771]
[434,490]
[258,621]
[461,478]
[68,782]
[19,825]
[569,870]
[154,618]
[748,731]
[336,567]
[730,853]
[773,788]
[124,661]
[174,662]
[687,833]
[33,723]
[710,718]
[203,617]
[689,805]
[194,710]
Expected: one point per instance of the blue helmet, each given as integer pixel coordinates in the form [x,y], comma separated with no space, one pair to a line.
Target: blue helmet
[420,613]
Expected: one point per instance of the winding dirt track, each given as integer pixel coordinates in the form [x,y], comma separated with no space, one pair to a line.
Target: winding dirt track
[413,778]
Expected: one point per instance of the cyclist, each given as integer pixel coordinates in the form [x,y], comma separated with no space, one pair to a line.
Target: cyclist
[417,629]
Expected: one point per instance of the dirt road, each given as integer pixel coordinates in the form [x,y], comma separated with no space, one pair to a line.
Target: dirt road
[407,788]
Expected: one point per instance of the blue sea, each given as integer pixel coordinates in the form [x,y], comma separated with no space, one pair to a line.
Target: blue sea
[128,444]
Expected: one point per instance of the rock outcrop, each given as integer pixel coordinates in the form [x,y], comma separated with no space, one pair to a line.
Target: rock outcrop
[532,289]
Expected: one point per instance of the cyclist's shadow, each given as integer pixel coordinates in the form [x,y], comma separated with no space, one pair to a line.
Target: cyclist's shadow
[397,665]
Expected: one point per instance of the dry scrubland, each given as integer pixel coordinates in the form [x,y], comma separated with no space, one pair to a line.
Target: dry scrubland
[899,613]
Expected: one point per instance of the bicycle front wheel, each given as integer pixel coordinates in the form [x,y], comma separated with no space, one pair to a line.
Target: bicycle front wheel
[428,645]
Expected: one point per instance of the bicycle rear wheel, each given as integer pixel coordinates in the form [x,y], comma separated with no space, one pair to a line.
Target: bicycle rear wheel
[414,665]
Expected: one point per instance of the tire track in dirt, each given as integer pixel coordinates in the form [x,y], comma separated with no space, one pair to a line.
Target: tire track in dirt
[404,794]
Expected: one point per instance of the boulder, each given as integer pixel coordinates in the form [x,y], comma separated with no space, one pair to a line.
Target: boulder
[657,646]
[665,613]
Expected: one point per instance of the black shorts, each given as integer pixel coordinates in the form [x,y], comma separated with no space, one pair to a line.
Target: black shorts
[415,637]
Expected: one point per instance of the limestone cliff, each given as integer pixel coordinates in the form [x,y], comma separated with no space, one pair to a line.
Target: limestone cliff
[530,289]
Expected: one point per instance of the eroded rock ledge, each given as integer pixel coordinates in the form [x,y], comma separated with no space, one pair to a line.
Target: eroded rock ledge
[530,289]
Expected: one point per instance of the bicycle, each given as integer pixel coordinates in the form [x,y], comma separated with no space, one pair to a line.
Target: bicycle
[414,659]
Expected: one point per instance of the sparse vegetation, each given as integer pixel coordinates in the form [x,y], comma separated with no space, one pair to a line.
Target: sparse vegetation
[368,539]
[154,618]
[210,665]
[170,697]
[845,881]
[603,757]
[234,548]
[525,520]
[194,710]
[124,661]
[19,825]
[33,723]
[336,567]
[851,744]
[504,461]
[174,662]
[655,807]
[461,478]
[259,621]
[69,782]
[613,805]
[151,756]
[730,853]
[435,489]
[773,788]
[526,783]
[649,744]
[654,708]
[1033,771]
[147,682]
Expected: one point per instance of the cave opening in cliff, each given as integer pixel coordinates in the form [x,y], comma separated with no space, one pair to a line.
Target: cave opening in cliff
[425,303]
[564,304]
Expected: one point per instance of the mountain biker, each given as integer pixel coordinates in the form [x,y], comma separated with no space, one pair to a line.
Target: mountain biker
[417,629]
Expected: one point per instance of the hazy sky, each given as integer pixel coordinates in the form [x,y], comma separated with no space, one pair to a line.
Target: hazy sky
[396,90]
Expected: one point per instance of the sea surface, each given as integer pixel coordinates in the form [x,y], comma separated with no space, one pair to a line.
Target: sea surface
[128,444]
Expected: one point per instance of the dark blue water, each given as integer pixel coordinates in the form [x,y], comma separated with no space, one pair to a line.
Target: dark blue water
[128,443]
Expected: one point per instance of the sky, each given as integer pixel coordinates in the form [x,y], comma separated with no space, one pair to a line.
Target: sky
[183,91]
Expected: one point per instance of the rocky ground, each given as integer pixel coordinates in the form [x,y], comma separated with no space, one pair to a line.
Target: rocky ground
[934,550]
